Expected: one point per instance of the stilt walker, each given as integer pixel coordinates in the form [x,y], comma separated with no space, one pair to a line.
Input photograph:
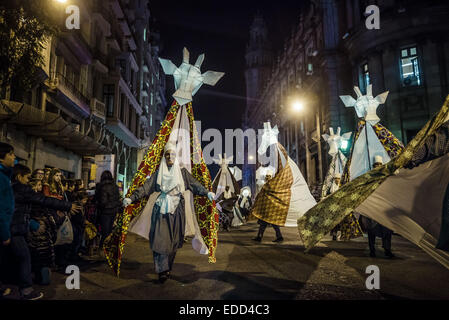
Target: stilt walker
[178,129]
[286,196]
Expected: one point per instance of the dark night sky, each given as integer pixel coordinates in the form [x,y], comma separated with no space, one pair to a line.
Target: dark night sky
[220,29]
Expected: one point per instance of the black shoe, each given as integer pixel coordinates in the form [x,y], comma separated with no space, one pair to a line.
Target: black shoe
[163,277]
[372,254]
[389,254]
[34,295]
[278,239]
[258,239]
[334,238]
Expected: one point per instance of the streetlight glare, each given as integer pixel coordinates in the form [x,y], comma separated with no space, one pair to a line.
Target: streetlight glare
[61,1]
[298,106]
[344,144]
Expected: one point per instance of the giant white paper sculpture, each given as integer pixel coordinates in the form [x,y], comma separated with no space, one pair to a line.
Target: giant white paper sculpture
[338,160]
[371,139]
[236,172]
[224,177]
[188,78]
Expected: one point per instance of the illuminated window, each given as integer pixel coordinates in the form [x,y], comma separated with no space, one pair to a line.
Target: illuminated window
[410,73]
[364,79]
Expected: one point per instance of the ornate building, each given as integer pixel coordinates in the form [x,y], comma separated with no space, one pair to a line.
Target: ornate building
[330,51]
[259,58]
[102,95]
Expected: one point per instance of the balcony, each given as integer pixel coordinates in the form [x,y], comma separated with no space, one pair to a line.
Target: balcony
[116,126]
[98,109]
[68,94]
[50,127]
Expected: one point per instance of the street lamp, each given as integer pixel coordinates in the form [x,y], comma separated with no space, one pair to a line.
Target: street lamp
[297,106]
[61,1]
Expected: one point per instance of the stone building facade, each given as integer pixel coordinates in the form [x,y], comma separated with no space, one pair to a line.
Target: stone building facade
[330,51]
[102,94]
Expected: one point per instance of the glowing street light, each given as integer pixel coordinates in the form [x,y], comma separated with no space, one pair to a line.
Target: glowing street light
[61,1]
[297,106]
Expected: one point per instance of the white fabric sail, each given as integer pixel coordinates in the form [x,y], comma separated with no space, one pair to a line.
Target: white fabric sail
[301,199]
[366,147]
[411,205]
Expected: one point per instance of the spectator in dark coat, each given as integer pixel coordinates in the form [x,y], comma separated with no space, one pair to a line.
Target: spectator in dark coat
[7,159]
[41,242]
[21,224]
[78,219]
[108,204]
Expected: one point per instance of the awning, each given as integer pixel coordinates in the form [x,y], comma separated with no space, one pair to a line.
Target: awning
[50,127]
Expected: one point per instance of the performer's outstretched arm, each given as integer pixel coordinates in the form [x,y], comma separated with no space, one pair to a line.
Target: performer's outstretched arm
[194,185]
[145,190]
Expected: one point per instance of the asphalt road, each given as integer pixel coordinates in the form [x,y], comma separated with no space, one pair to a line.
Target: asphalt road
[249,270]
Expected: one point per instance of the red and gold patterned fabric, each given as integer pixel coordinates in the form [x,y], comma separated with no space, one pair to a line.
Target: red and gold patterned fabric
[206,211]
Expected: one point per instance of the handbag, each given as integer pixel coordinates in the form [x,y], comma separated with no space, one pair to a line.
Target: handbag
[65,233]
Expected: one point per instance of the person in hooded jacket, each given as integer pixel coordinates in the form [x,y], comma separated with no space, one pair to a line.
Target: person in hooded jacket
[21,224]
[107,198]
[7,159]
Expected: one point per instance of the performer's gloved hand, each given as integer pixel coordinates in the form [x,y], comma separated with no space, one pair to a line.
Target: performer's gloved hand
[211,196]
[127,202]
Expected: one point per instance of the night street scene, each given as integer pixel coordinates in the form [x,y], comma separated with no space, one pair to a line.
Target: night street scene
[224,155]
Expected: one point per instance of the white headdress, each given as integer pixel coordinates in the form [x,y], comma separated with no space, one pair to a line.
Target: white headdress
[378,159]
[170,182]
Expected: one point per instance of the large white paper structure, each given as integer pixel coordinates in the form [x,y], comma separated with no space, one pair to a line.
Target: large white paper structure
[236,172]
[365,105]
[334,140]
[338,161]
[188,78]
[223,176]
[367,145]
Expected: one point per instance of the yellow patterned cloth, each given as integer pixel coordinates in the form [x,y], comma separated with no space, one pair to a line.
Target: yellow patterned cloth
[206,212]
[90,231]
[273,200]
[329,212]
